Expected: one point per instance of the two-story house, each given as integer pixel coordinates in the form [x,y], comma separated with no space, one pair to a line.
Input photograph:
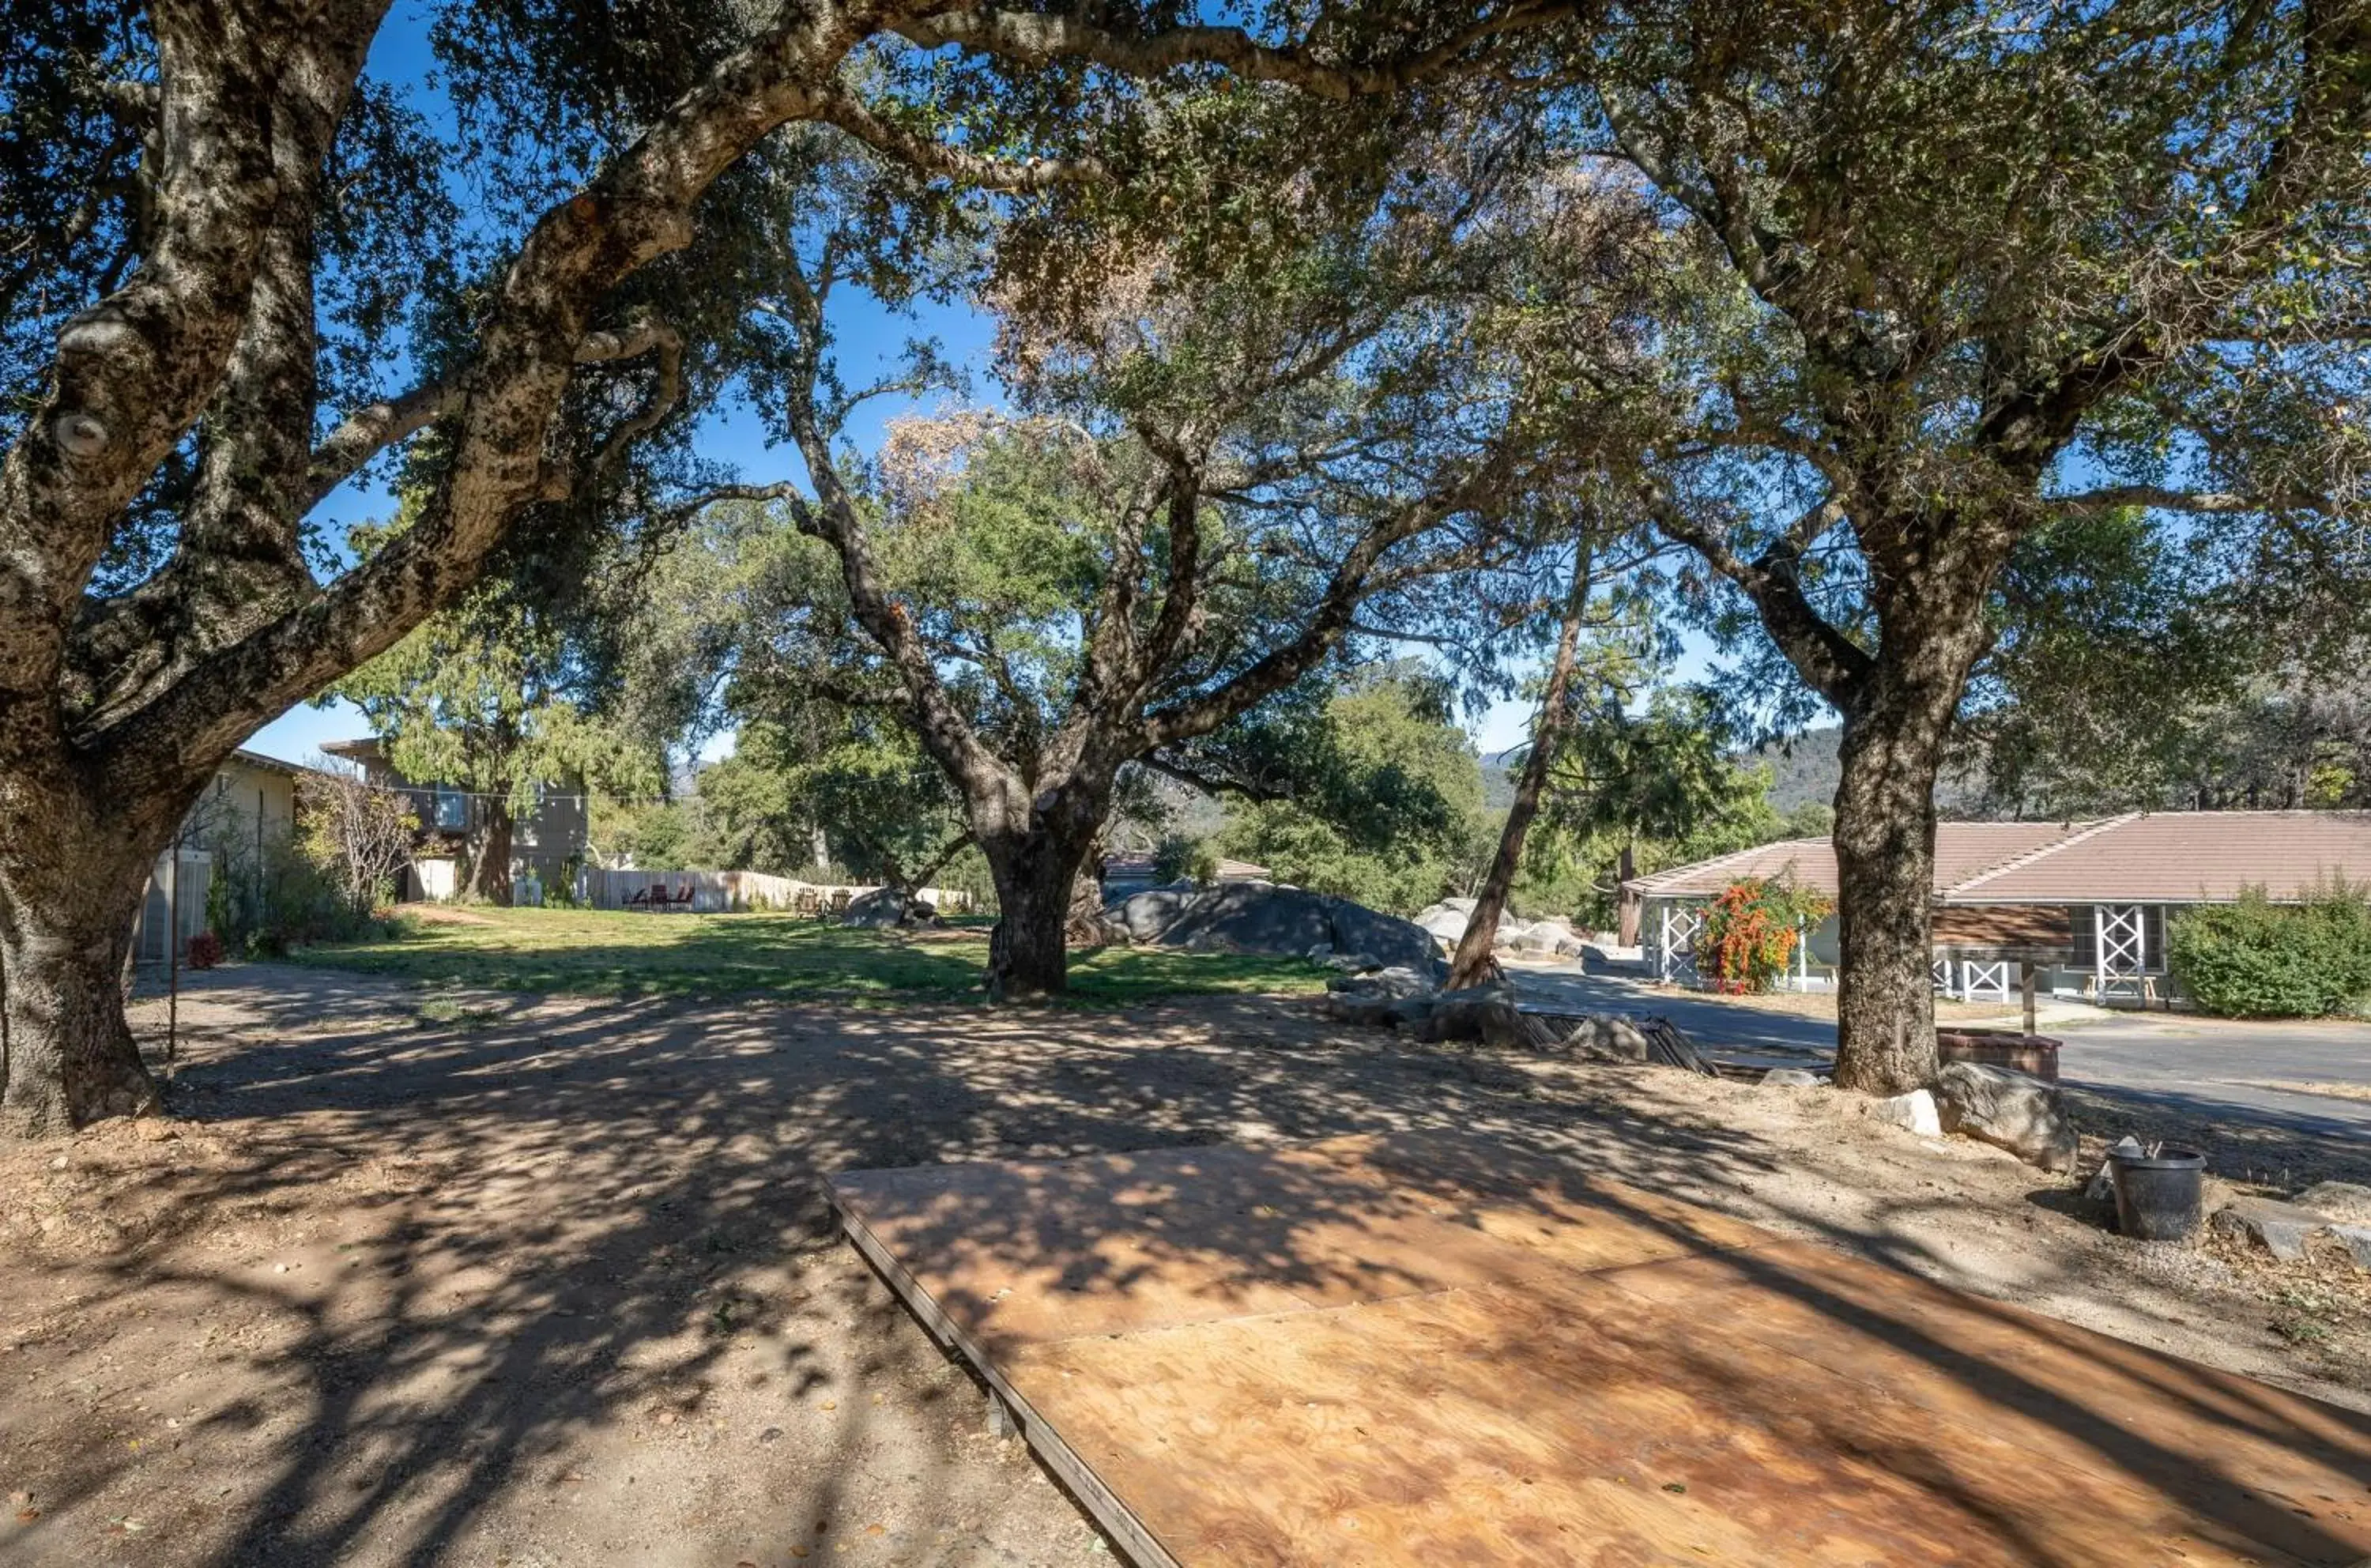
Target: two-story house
[548,839]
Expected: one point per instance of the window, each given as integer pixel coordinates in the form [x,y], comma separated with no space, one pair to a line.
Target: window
[451,810]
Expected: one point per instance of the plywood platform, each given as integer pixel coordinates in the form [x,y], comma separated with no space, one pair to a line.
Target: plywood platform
[1440,1351]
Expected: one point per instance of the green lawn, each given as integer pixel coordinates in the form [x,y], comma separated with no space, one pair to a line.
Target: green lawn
[617,954]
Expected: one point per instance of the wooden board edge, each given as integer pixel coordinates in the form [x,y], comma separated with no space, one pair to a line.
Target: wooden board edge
[1120,1521]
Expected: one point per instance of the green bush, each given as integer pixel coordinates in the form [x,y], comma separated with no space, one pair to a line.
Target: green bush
[2258,959]
[1180,859]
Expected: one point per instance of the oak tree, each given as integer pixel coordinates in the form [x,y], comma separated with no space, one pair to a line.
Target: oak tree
[1944,273]
[234,278]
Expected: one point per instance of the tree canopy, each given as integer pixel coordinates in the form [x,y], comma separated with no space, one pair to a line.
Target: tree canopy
[1319,333]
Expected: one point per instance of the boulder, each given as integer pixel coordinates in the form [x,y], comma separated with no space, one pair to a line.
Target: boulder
[2019,1113]
[1385,938]
[1266,918]
[1447,926]
[1538,936]
[1915,1110]
[1461,905]
[2343,1202]
[1379,998]
[1368,1009]
[1149,912]
[885,907]
[1793,1077]
[2282,1229]
[1395,982]
[1485,1013]
[1606,1037]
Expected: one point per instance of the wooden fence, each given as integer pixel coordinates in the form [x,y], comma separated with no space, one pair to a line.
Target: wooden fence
[720,892]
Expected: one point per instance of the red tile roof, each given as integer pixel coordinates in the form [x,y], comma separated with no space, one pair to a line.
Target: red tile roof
[1963,849]
[2185,857]
[2158,857]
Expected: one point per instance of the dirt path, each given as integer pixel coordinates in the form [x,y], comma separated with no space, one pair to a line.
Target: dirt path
[449,1279]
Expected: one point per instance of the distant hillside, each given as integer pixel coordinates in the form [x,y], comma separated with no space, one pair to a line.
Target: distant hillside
[1497,782]
[1803,771]
[1806,774]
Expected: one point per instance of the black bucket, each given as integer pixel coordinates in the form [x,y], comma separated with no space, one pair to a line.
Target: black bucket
[2159,1196]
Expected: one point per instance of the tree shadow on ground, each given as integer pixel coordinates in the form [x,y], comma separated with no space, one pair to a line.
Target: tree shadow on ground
[1512,1314]
[570,1239]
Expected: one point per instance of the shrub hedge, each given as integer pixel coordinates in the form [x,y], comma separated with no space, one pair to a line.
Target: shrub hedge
[2258,959]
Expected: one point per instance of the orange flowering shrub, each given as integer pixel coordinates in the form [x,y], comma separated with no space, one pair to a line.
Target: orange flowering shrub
[1749,930]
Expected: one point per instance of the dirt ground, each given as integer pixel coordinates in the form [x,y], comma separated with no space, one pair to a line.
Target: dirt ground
[423,1278]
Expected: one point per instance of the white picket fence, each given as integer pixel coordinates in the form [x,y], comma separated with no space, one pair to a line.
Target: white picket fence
[716,893]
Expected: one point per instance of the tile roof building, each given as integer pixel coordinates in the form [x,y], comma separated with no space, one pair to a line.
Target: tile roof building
[2087,902]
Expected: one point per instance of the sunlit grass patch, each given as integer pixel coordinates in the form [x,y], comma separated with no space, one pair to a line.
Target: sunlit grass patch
[632,953]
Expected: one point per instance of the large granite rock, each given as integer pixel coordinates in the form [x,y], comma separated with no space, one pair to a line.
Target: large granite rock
[2285,1230]
[1447,924]
[2343,1202]
[1263,917]
[2019,1112]
[2337,1209]
[1485,1013]
[885,907]
[1606,1037]
[1384,996]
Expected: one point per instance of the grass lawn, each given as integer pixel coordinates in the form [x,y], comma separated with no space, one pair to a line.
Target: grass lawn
[623,953]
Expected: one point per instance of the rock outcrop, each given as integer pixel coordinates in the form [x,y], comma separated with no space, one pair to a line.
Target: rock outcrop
[2016,1112]
[1263,917]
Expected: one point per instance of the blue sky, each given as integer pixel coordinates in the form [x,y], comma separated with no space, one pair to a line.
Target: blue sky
[869,336]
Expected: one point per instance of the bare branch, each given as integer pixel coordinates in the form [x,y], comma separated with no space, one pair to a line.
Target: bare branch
[370,430]
[1038,37]
[948,161]
[2208,502]
[1350,583]
[1209,783]
[666,343]
[1836,666]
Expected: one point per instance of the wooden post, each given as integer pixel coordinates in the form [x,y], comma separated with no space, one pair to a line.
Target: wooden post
[2025,979]
[1626,913]
[173,958]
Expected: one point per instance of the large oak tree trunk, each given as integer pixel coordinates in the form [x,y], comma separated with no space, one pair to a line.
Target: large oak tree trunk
[1474,963]
[1885,859]
[1037,881]
[67,1057]
[1894,736]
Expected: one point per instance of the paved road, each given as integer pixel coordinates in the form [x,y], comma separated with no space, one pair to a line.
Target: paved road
[2203,1062]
